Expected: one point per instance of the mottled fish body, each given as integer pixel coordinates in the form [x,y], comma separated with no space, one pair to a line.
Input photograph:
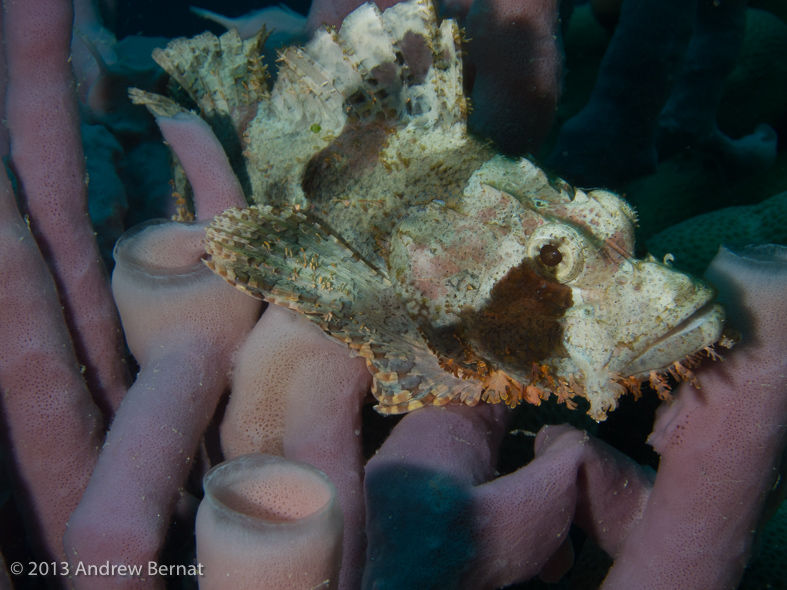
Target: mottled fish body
[459,274]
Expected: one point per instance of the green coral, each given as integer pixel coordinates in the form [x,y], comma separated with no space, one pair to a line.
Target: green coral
[694,242]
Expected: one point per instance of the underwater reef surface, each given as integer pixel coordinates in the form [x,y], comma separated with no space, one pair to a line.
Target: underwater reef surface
[689,135]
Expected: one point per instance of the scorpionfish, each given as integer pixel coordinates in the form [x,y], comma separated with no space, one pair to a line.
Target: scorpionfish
[459,274]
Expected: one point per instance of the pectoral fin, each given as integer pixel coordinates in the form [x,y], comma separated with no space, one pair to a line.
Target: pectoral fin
[290,259]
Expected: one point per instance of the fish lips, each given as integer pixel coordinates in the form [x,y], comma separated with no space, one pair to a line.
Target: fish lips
[694,333]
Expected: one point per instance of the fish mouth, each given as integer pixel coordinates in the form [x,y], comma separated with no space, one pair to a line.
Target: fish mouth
[697,331]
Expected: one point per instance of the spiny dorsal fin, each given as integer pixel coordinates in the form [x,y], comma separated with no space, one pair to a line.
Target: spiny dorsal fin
[398,65]
[223,75]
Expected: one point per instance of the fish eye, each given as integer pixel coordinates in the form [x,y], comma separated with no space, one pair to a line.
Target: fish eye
[550,255]
[557,251]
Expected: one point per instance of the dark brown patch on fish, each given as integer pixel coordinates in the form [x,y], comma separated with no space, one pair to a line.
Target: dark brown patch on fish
[519,326]
[521,323]
[349,157]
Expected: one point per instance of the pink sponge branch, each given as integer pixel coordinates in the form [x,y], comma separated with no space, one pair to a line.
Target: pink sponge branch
[183,324]
[52,423]
[5,578]
[523,519]
[268,522]
[430,498]
[46,154]
[286,374]
[721,446]
[516,67]
[418,490]
[206,165]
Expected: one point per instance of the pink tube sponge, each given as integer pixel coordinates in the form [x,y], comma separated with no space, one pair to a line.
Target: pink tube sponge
[47,157]
[297,393]
[160,284]
[268,523]
[516,66]
[206,165]
[50,420]
[721,446]
[430,501]
[5,579]
[286,366]
[183,325]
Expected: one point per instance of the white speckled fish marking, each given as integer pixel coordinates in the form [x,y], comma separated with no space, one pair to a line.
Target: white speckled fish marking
[460,275]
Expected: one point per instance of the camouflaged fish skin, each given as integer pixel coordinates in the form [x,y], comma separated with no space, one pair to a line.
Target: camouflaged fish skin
[460,275]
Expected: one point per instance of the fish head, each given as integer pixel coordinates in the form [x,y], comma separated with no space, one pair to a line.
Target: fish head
[537,281]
